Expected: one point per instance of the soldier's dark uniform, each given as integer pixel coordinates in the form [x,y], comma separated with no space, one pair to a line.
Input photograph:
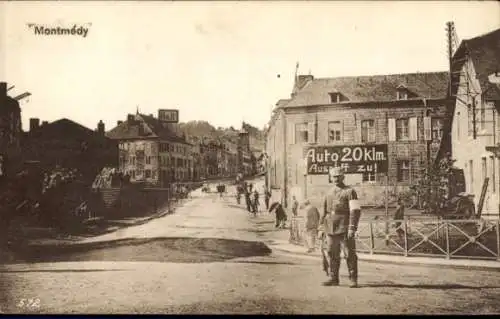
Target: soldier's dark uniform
[338,219]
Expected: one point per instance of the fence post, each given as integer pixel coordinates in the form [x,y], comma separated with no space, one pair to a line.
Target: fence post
[372,244]
[447,232]
[386,208]
[406,235]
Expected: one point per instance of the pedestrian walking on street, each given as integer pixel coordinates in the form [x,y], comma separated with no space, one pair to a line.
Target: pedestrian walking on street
[248,200]
[267,197]
[312,224]
[340,220]
[256,203]
[399,215]
[295,206]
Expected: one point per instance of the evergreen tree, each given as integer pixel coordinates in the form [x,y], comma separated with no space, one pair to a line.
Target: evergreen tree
[432,187]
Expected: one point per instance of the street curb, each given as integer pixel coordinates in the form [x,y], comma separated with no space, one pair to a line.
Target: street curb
[430,262]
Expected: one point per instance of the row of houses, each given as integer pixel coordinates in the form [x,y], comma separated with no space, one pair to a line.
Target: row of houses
[145,148]
[384,129]
[153,151]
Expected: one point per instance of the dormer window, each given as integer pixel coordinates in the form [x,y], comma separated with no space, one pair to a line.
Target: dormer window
[334,97]
[402,93]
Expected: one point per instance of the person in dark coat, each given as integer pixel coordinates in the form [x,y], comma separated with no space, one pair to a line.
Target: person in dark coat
[399,215]
[248,200]
[255,201]
[267,197]
[280,214]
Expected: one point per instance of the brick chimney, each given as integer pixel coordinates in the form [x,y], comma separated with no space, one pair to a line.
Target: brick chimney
[34,124]
[3,89]
[130,118]
[119,123]
[101,127]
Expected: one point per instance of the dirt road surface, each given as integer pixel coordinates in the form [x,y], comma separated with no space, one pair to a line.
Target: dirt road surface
[212,257]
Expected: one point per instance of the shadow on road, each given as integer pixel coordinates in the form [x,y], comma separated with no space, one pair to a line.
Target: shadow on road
[263,262]
[59,270]
[172,249]
[425,286]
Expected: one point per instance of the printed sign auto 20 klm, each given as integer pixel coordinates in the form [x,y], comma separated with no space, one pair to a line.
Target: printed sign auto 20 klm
[353,159]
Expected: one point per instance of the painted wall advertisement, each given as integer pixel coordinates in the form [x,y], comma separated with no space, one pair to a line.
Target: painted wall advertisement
[354,159]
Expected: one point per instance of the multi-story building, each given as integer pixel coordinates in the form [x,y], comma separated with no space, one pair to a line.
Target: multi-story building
[151,151]
[246,160]
[275,147]
[382,129]
[475,129]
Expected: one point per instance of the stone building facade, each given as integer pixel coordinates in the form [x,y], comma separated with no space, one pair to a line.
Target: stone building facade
[152,152]
[403,114]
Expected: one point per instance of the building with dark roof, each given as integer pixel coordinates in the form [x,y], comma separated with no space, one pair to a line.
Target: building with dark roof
[152,152]
[475,128]
[68,144]
[372,126]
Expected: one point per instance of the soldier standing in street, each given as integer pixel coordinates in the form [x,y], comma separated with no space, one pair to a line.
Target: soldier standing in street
[340,220]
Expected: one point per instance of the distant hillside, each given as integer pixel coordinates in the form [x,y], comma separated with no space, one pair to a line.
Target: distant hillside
[202,129]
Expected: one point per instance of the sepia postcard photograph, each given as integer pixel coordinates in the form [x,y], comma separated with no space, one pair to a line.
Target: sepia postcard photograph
[249,157]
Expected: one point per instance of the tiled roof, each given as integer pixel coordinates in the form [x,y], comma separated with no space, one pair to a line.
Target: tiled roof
[484,51]
[153,128]
[371,88]
[63,128]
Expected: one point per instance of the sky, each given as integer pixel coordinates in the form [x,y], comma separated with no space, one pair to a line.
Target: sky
[222,62]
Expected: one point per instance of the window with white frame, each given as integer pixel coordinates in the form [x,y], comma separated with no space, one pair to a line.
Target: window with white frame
[402,94]
[367,131]
[301,133]
[402,129]
[334,97]
[334,131]
[437,129]
[403,171]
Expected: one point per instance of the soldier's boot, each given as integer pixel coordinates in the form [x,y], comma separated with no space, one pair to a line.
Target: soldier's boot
[334,274]
[353,276]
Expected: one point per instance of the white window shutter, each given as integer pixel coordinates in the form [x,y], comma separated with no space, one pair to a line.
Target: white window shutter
[427,128]
[358,132]
[392,129]
[311,138]
[413,129]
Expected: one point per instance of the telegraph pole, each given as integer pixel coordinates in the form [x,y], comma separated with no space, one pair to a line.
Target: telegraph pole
[449,31]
